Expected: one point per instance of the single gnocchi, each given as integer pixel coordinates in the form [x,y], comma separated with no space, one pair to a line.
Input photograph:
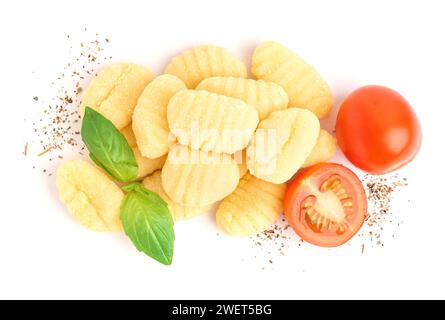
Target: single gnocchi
[150,116]
[115,90]
[90,196]
[282,143]
[265,96]
[146,165]
[194,65]
[272,61]
[179,212]
[211,122]
[252,207]
[324,149]
[198,178]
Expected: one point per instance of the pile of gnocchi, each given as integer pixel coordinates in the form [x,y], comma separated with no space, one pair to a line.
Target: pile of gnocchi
[203,133]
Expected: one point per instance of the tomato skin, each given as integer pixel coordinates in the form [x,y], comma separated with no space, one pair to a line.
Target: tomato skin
[377,129]
[303,186]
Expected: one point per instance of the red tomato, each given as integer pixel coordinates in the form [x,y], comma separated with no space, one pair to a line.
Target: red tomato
[326,204]
[378,130]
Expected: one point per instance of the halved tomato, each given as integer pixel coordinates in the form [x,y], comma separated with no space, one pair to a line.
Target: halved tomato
[326,204]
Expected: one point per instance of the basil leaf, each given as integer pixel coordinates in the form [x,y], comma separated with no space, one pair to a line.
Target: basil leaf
[148,223]
[108,147]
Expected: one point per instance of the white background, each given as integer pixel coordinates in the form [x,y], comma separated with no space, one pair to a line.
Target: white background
[44,254]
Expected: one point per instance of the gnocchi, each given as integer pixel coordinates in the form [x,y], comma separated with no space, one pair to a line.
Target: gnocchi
[324,149]
[211,122]
[179,212]
[150,116]
[91,197]
[115,90]
[282,143]
[252,207]
[265,96]
[201,62]
[146,165]
[272,61]
[198,178]
[204,136]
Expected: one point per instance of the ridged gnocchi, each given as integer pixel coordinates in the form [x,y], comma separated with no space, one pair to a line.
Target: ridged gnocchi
[282,143]
[324,149]
[252,207]
[146,166]
[90,196]
[198,178]
[272,61]
[211,122]
[179,212]
[150,116]
[115,90]
[194,65]
[265,96]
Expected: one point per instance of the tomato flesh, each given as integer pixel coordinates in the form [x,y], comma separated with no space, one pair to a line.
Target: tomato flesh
[377,129]
[326,204]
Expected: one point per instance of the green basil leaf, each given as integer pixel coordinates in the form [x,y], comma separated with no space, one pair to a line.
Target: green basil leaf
[148,223]
[108,147]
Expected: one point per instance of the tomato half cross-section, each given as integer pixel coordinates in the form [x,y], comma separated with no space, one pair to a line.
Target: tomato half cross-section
[377,129]
[326,204]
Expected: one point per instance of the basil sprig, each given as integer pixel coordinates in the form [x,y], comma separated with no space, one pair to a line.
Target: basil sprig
[108,147]
[148,222]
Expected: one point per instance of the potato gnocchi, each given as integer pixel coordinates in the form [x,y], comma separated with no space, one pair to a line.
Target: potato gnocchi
[324,149]
[91,197]
[282,143]
[272,61]
[198,178]
[146,166]
[193,66]
[252,207]
[115,91]
[179,212]
[265,96]
[211,122]
[150,116]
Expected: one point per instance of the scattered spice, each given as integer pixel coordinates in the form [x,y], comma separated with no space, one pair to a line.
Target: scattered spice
[78,89]
[275,242]
[25,150]
[44,152]
[381,215]
[58,129]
